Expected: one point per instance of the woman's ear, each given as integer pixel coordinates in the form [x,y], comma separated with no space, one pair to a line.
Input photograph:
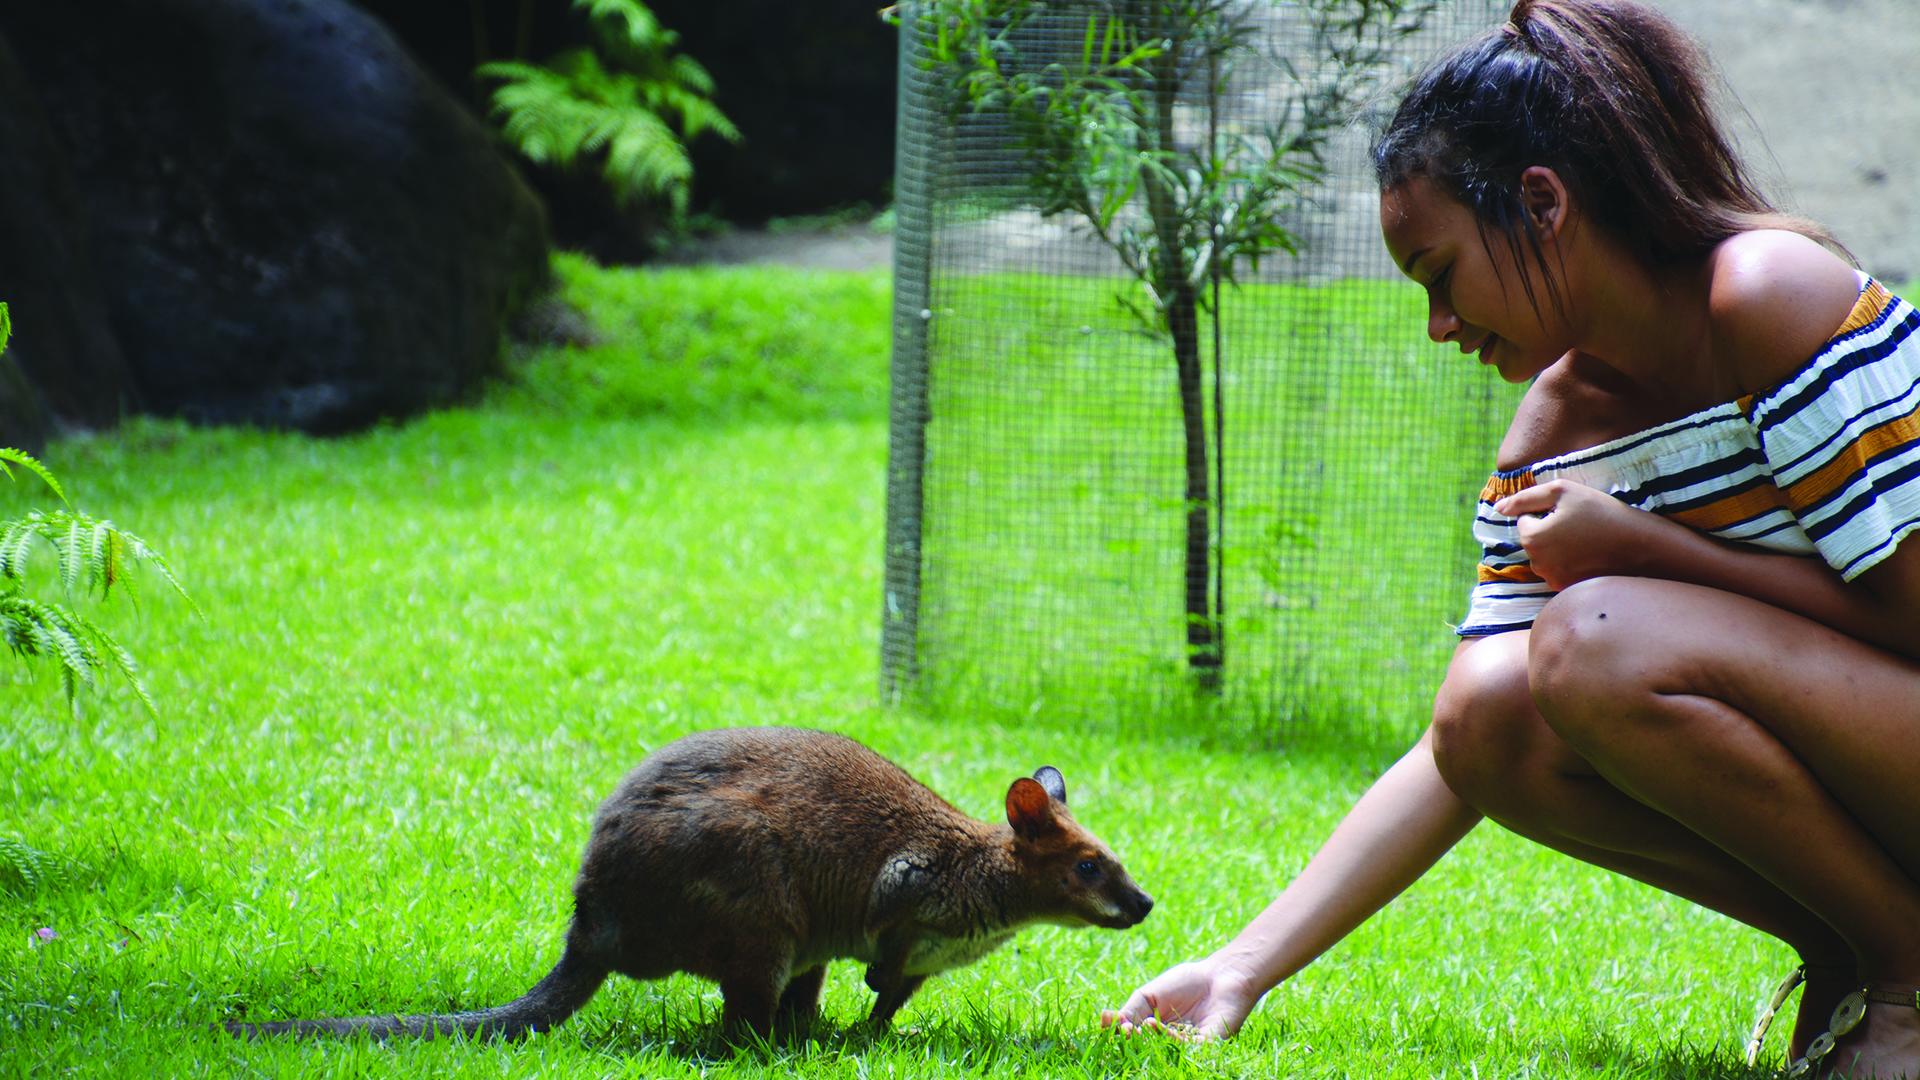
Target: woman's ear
[1543,198]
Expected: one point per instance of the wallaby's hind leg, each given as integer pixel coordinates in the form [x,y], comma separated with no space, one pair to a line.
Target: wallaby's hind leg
[800,1003]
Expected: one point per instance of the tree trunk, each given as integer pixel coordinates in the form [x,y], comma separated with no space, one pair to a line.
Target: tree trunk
[1204,644]
[1177,292]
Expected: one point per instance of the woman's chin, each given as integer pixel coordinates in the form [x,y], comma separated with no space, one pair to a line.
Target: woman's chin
[1513,365]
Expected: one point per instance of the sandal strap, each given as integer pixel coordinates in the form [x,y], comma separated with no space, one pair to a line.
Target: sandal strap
[1794,978]
[1893,994]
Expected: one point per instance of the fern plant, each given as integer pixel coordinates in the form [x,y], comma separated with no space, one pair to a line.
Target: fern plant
[631,103]
[92,555]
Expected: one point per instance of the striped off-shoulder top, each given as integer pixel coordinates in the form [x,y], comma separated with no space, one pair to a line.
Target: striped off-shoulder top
[1826,462]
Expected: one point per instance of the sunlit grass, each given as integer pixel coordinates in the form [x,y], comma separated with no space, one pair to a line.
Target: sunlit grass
[429,650]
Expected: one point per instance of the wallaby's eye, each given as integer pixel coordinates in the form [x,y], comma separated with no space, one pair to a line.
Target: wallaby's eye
[1088,869]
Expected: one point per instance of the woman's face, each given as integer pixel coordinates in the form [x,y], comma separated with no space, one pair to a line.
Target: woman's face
[1474,296]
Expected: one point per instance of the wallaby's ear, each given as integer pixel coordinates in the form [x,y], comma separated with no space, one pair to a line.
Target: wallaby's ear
[1055,784]
[1029,809]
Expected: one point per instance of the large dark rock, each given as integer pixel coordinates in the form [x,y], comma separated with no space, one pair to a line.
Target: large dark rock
[23,421]
[63,355]
[291,223]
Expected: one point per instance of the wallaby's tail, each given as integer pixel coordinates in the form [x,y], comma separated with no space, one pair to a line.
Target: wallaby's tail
[567,987]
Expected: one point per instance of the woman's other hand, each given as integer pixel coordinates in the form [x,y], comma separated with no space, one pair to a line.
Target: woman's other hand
[1572,532]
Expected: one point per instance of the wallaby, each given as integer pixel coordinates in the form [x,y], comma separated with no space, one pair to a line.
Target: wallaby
[753,856]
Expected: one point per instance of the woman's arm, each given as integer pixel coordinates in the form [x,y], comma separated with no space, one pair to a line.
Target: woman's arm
[1398,829]
[1572,532]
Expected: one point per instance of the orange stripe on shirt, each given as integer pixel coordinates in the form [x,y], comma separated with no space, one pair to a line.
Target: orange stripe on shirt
[1873,300]
[1850,460]
[1517,574]
[1730,510]
[1499,487]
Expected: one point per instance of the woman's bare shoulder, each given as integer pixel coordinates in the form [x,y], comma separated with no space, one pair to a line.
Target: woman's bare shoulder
[1774,298]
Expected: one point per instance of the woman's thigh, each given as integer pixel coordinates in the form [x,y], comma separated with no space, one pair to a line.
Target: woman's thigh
[1849,711]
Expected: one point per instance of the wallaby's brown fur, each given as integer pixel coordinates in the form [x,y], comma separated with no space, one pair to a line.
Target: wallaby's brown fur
[753,856]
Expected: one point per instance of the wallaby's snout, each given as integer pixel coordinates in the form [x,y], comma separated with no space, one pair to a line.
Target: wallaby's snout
[1125,905]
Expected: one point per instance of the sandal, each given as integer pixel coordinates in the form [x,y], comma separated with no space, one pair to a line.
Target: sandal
[1846,1016]
[1780,994]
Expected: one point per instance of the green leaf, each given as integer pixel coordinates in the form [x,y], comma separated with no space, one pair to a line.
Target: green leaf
[72,558]
[27,462]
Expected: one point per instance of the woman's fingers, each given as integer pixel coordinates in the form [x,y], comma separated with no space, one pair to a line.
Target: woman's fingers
[1534,500]
[1138,1009]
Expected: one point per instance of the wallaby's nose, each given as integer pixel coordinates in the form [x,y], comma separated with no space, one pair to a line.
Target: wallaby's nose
[1142,904]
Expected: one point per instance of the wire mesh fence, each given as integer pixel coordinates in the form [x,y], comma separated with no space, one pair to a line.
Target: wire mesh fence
[1128,479]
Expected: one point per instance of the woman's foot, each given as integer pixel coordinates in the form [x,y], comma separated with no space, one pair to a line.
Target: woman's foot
[1886,1045]
[1825,985]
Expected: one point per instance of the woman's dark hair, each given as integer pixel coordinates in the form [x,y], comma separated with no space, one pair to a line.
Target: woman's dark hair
[1609,94]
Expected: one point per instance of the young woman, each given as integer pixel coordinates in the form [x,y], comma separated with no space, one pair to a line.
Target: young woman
[1691,655]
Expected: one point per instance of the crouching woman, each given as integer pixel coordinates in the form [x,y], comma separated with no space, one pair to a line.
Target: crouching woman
[1690,657]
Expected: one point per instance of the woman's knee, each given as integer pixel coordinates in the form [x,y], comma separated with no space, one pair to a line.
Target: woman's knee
[1483,719]
[1581,659]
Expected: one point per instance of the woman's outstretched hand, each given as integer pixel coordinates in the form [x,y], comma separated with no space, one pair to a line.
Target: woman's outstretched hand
[1198,1000]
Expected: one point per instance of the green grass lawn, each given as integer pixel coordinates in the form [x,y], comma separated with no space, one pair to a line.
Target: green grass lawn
[429,650]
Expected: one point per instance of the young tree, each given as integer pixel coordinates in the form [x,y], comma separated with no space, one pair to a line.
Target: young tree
[1111,141]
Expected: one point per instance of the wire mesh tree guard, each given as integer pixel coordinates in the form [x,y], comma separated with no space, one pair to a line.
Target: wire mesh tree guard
[1166,426]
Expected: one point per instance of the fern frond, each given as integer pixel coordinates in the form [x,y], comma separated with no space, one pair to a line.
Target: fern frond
[688,104]
[142,553]
[103,557]
[123,660]
[54,631]
[577,109]
[26,870]
[15,539]
[26,460]
[645,158]
[691,75]
[78,647]
[6,326]
[541,112]
[634,109]
[627,19]
[71,561]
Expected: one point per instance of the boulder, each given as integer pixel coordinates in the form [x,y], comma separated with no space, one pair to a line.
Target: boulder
[63,355]
[23,421]
[290,223]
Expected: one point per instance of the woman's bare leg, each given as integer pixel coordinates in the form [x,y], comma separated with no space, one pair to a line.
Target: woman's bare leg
[1786,745]
[1498,754]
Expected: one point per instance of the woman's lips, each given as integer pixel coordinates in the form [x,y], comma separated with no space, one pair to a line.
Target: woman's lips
[1485,349]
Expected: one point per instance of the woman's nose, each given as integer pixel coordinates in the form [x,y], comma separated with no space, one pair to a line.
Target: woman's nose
[1442,323]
